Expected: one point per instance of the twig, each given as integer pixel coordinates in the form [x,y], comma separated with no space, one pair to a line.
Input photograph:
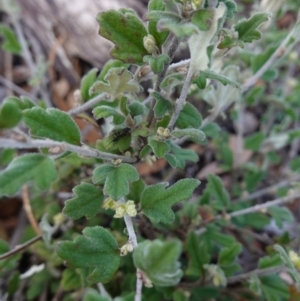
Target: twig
[87,105]
[228,216]
[20,248]
[16,88]
[258,272]
[28,210]
[161,76]
[182,98]
[266,190]
[133,240]
[279,53]
[85,151]
[181,64]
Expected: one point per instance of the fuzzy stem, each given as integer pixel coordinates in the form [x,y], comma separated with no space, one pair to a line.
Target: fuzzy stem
[181,100]
[82,150]
[161,76]
[87,105]
[258,272]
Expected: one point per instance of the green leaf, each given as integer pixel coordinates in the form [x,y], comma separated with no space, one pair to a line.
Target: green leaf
[96,249]
[136,108]
[217,190]
[162,105]
[269,261]
[117,82]
[159,148]
[53,124]
[10,115]
[91,294]
[86,82]
[231,7]
[160,37]
[189,133]
[198,255]
[254,141]
[106,111]
[126,31]
[159,260]
[171,160]
[247,29]
[22,102]
[274,288]
[221,78]
[203,19]
[211,130]
[156,200]
[183,155]
[189,117]
[117,178]
[29,167]
[11,43]
[281,215]
[228,254]
[200,81]
[109,65]
[70,280]
[87,202]
[13,283]
[157,63]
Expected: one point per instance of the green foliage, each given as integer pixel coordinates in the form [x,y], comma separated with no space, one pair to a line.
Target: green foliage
[157,63]
[87,202]
[52,124]
[96,249]
[11,43]
[189,117]
[10,115]
[106,111]
[203,19]
[159,260]
[116,177]
[159,148]
[117,81]
[126,31]
[156,200]
[29,167]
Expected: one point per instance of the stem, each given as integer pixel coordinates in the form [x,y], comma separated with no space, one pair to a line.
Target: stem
[161,76]
[280,52]
[228,216]
[82,150]
[266,190]
[87,105]
[182,98]
[133,240]
[21,247]
[258,272]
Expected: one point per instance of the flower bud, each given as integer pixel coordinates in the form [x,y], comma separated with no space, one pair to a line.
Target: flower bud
[120,210]
[150,44]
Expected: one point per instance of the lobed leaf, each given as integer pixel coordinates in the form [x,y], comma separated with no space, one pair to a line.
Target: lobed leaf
[156,200]
[157,63]
[87,202]
[106,111]
[126,31]
[116,177]
[96,249]
[160,148]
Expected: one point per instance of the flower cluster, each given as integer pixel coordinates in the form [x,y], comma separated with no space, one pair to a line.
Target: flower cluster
[120,208]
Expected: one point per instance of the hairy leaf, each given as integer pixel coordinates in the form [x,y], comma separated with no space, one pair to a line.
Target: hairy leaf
[106,111]
[221,78]
[190,133]
[117,82]
[217,190]
[162,105]
[10,115]
[87,202]
[29,167]
[189,117]
[159,260]
[126,31]
[156,200]
[11,43]
[157,63]
[203,19]
[96,249]
[160,37]
[53,124]
[117,178]
[86,82]
[159,148]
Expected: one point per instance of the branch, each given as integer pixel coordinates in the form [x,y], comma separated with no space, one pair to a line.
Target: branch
[282,50]
[161,76]
[87,105]
[181,100]
[258,272]
[133,240]
[276,202]
[82,150]
[20,248]
[266,190]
